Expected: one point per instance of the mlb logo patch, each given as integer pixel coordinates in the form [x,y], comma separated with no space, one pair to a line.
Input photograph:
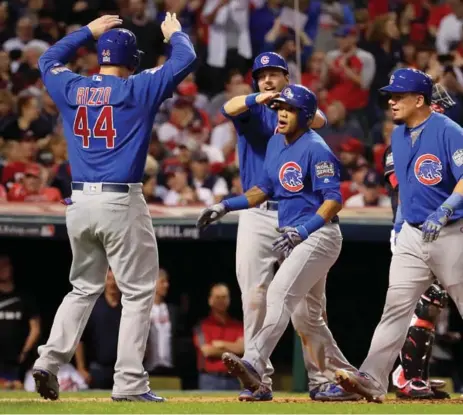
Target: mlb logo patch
[106,55]
[458,157]
[324,169]
[97,78]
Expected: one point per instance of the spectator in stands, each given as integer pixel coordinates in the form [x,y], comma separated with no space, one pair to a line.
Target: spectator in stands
[338,128]
[32,188]
[215,335]
[5,72]
[349,72]
[3,194]
[185,11]
[186,89]
[261,21]
[152,192]
[24,36]
[351,155]
[6,108]
[371,193]
[311,77]
[450,28]
[181,193]
[438,10]
[170,350]
[383,42]
[333,14]
[6,31]
[28,123]
[454,88]
[224,138]
[20,327]
[96,354]
[185,122]
[234,78]
[236,188]
[383,141]
[202,178]
[148,32]
[157,149]
[16,157]
[47,29]
[229,40]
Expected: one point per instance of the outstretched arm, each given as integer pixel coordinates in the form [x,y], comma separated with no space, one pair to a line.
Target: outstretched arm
[240,104]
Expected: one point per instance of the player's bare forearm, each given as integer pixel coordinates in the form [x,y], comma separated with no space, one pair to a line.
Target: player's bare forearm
[319,120]
[236,106]
[329,209]
[63,50]
[34,334]
[255,196]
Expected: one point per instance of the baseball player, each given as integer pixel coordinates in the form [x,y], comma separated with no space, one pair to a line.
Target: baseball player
[411,377]
[302,174]
[428,163]
[255,123]
[108,119]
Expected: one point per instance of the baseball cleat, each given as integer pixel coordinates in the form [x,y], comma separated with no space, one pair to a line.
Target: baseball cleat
[144,397]
[242,370]
[46,384]
[330,392]
[258,396]
[359,383]
[416,389]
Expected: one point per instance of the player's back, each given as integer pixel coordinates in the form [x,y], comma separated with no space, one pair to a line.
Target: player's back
[107,123]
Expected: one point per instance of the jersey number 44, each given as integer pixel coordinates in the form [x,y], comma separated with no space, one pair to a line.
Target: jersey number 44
[103,128]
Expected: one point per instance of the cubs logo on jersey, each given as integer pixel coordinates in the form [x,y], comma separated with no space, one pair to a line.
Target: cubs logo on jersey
[291,177]
[428,169]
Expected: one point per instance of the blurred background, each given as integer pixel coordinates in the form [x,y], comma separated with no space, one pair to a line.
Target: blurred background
[342,50]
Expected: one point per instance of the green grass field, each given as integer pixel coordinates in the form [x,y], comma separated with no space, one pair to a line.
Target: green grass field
[219,403]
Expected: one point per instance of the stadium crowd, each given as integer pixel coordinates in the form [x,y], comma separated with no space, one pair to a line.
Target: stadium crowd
[348,50]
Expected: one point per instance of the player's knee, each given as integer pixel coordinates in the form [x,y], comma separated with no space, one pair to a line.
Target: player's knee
[255,298]
[305,316]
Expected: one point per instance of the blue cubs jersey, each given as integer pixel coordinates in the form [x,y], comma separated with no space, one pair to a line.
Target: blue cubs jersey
[296,173]
[254,128]
[428,170]
[108,120]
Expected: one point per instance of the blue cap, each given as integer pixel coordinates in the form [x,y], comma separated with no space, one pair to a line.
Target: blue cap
[372,179]
[268,60]
[409,80]
[118,47]
[302,98]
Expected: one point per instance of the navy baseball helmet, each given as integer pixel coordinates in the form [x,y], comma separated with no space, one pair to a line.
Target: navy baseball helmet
[300,97]
[267,60]
[118,47]
[410,80]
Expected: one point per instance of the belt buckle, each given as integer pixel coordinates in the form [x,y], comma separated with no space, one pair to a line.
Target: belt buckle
[93,188]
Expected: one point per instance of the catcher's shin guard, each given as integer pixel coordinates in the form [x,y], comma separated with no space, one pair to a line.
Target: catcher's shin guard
[416,352]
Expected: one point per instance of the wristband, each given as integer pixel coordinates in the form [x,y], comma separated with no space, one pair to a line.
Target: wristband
[453,202]
[315,223]
[236,203]
[250,100]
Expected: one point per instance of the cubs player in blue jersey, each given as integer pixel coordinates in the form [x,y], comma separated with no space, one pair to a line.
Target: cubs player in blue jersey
[255,123]
[107,120]
[302,174]
[427,151]
[411,377]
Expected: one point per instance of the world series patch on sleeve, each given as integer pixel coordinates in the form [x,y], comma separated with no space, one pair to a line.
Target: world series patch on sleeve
[324,169]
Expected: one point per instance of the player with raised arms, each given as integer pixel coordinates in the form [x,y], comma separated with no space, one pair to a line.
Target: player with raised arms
[108,118]
[303,175]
